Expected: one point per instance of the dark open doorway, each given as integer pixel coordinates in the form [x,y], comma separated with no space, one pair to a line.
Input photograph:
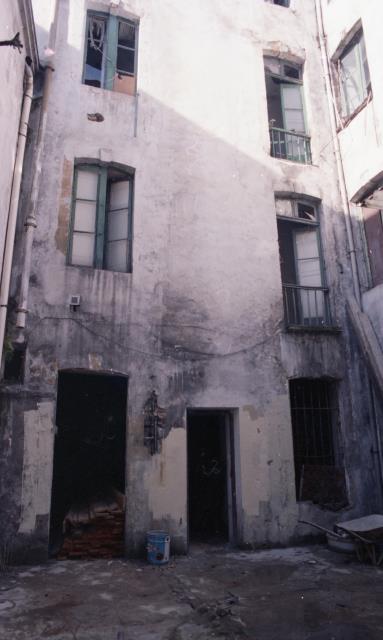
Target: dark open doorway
[211,486]
[87,510]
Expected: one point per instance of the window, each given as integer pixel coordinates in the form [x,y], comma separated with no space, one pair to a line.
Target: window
[304,295]
[288,136]
[110,53]
[314,420]
[354,75]
[101,230]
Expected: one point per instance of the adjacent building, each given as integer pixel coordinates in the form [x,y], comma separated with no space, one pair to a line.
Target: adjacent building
[195,333]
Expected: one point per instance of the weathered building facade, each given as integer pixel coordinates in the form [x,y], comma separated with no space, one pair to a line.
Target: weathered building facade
[182,321]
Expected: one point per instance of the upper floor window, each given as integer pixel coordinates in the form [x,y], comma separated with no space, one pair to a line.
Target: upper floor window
[354,75]
[110,53]
[101,229]
[288,134]
[305,295]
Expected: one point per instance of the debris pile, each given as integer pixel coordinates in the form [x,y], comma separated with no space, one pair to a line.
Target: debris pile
[94,529]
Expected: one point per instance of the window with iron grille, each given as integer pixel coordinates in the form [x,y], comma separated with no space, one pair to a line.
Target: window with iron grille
[110,53]
[314,416]
[305,295]
[287,123]
[101,225]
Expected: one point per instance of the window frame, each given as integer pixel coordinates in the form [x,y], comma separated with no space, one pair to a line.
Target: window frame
[101,217]
[296,221]
[364,87]
[110,51]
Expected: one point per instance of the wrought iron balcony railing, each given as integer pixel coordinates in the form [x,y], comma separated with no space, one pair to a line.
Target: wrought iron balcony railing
[289,145]
[306,306]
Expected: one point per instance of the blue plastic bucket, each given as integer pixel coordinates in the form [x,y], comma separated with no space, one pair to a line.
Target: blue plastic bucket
[158,547]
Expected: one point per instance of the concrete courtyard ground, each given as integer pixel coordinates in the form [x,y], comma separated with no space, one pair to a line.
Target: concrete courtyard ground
[302,593]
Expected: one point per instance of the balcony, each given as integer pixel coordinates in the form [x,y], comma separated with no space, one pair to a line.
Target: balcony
[289,145]
[306,307]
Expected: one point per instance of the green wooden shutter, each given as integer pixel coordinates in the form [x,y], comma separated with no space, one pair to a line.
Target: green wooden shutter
[100,227]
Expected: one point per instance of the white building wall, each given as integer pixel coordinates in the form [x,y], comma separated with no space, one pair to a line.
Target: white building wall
[11,96]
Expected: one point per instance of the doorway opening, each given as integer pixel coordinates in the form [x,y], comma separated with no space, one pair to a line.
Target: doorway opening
[87,507]
[211,478]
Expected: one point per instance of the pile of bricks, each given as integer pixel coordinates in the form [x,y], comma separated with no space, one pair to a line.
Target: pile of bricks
[101,535]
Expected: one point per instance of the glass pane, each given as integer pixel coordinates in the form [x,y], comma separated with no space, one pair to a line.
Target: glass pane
[351,81]
[87,182]
[82,249]
[284,207]
[125,60]
[312,305]
[118,225]
[292,97]
[119,194]
[309,274]
[292,108]
[306,244]
[85,216]
[126,34]
[116,258]
[294,121]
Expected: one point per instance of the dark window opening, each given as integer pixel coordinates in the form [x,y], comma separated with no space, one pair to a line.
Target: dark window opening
[305,295]
[14,363]
[87,513]
[210,476]
[314,420]
[288,135]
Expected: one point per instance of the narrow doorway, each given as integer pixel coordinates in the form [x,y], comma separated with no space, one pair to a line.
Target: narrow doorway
[87,506]
[211,486]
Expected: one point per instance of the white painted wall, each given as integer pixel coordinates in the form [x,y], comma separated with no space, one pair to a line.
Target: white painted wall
[11,95]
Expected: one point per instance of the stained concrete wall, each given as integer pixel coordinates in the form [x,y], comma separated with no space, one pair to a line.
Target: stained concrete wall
[200,318]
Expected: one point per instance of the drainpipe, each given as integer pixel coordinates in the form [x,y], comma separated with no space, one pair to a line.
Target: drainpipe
[338,156]
[30,222]
[14,202]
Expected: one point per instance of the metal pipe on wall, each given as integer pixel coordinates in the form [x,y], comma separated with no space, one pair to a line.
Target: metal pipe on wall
[14,203]
[30,222]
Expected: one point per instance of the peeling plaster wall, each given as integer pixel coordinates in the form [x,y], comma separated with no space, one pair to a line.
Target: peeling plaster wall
[37,465]
[200,318]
